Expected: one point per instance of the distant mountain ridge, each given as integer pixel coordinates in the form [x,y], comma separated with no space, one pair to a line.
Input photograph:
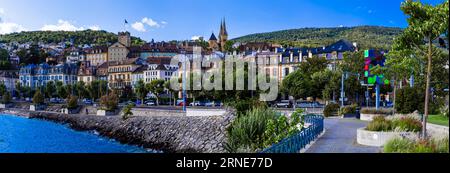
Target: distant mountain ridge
[78,37]
[364,36]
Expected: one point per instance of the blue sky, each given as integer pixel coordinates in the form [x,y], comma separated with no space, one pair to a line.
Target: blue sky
[183,19]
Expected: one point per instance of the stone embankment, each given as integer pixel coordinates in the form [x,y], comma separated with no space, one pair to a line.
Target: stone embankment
[170,134]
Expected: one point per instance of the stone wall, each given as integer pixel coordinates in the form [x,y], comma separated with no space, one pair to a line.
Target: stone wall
[156,112]
[205,112]
[179,134]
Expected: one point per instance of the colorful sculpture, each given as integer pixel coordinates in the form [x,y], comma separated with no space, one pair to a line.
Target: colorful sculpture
[372,59]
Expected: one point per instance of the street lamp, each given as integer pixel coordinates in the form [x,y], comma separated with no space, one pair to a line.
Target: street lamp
[184,79]
[345,76]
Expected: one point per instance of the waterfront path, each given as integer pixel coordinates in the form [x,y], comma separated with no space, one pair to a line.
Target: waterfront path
[340,137]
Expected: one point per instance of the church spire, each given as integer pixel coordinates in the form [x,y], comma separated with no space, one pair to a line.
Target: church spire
[224,27]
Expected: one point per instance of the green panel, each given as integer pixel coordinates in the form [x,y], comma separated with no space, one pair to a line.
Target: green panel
[386,82]
[366,53]
[372,80]
[366,74]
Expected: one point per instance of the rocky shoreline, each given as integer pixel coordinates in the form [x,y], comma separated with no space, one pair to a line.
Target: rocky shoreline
[169,134]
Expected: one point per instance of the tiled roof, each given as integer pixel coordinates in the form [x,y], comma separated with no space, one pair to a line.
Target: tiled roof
[213,37]
[339,46]
[140,69]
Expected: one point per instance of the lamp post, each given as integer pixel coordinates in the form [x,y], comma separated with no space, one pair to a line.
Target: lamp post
[345,76]
[184,80]
[334,70]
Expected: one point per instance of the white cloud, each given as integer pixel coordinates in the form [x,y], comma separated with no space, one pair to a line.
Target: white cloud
[6,28]
[195,37]
[9,27]
[95,28]
[150,22]
[141,25]
[138,26]
[340,26]
[62,25]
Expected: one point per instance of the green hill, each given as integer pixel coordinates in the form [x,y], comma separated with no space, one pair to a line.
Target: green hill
[78,37]
[365,36]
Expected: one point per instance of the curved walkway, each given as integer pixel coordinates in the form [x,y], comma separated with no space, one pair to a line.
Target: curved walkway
[340,137]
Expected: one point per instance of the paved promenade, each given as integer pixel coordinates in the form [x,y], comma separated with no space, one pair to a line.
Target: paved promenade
[340,137]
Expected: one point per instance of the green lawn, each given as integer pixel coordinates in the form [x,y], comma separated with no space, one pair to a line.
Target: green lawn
[438,119]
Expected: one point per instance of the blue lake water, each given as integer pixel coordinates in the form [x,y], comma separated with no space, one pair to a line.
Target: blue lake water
[22,135]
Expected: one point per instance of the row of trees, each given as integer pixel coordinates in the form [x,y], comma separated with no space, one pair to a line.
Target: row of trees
[4,60]
[75,37]
[314,79]
[156,87]
[365,36]
[57,89]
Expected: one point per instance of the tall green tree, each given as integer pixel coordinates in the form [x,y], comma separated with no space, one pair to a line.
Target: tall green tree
[50,89]
[172,92]
[82,92]
[92,90]
[156,87]
[141,91]
[18,90]
[300,84]
[425,24]
[2,88]
[61,90]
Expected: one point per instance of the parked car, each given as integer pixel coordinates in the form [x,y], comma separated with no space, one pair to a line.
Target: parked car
[283,104]
[150,103]
[306,104]
[197,103]
[88,101]
[56,100]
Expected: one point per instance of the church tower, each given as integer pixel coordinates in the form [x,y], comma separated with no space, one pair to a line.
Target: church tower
[213,45]
[125,38]
[223,35]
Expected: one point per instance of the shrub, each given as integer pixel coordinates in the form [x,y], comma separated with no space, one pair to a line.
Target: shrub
[405,123]
[379,123]
[38,98]
[109,102]
[399,145]
[281,128]
[242,106]
[127,111]
[375,111]
[331,109]
[247,131]
[72,103]
[6,98]
[350,109]
[408,124]
[408,100]
[405,145]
